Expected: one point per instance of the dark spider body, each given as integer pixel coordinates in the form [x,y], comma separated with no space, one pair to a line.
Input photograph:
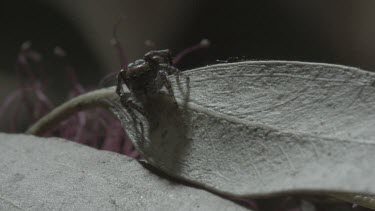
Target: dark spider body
[141,79]
[145,78]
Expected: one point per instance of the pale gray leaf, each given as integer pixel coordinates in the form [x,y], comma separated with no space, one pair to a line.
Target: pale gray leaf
[54,174]
[327,100]
[264,127]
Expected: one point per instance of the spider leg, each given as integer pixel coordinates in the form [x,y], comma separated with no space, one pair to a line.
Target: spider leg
[132,104]
[178,74]
[187,94]
[172,70]
[162,74]
[119,89]
[121,93]
[129,104]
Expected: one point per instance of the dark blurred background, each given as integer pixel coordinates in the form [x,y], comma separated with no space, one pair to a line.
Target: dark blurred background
[340,32]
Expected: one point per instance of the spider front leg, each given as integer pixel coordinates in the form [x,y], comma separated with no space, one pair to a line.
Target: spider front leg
[126,102]
[162,75]
[119,89]
[172,70]
[129,104]
[133,105]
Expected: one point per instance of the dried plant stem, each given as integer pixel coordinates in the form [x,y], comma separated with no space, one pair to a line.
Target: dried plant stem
[89,100]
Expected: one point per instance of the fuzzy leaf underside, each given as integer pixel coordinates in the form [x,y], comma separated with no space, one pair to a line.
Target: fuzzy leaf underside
[55,174]
[264,127]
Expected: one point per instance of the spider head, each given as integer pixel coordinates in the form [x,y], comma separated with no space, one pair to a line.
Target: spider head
[142,73]
[138,68]
[159,57]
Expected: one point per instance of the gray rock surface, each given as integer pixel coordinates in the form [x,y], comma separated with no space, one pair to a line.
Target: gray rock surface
[54,174]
